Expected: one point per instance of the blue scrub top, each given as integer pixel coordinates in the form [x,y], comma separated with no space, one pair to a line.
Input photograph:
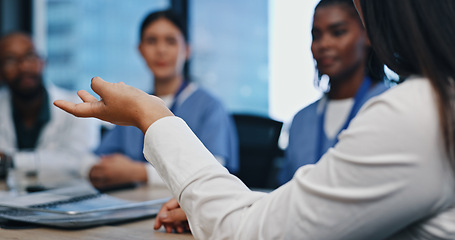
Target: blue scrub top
[203,113]
[303,137]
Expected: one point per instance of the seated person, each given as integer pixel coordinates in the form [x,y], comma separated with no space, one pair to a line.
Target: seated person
[165,50]
[342,51]
[390,176]
[29,123]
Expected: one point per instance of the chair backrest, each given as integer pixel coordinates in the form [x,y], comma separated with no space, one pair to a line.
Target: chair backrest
[258,148]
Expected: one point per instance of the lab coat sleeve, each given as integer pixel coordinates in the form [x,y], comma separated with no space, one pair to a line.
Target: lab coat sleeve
[369,186]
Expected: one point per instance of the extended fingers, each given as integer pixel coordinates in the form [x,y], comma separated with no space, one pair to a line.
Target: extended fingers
[89,109]
[65,105]
[106,89]
[86,109]
[99,86]
[86,97]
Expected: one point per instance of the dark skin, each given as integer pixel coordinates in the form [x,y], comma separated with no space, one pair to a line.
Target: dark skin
[340,47]
[28,110]
[346,68]
[21,70]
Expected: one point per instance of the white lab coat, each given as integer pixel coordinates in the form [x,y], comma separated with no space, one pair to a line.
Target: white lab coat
[387,178]
[65,144]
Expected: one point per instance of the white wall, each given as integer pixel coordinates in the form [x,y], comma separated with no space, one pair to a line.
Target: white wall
[291,62]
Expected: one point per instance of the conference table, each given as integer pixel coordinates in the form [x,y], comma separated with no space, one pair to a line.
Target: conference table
[139,229]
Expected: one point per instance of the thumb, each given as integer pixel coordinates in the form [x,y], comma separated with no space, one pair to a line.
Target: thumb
[98,85]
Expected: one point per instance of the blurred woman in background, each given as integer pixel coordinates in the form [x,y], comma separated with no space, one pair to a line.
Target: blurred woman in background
[343,53]
[390,176]
[163,45]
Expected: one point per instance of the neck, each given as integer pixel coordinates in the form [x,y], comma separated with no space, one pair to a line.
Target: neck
[346,87]
[28,109]
[163,87]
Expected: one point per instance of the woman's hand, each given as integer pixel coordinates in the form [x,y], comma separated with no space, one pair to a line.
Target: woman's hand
[120,104]
[172,217]
[117,169]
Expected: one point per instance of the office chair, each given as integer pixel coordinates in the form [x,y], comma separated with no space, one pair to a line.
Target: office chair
[258,148]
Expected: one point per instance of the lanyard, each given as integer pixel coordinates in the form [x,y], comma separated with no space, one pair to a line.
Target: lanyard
[177,94]
[363,90]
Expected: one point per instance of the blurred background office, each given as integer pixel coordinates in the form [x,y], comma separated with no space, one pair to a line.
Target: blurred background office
[253,55]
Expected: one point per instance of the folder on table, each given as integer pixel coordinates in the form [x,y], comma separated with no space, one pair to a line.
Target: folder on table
[75,207]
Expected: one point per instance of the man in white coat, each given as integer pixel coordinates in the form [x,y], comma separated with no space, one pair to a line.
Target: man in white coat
[30,125]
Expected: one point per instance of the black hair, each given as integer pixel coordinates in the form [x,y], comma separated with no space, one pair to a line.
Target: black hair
[374,66]
[348,3]
[417,37]
[167,14]
[15,32]
[174,19]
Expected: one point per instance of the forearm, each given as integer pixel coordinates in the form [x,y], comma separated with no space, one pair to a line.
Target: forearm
[56,160]
[355,193]
[153,178]
[167,148]
[185,164]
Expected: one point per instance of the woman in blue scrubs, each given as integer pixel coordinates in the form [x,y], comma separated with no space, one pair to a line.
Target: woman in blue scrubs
[164,48]
[343,53]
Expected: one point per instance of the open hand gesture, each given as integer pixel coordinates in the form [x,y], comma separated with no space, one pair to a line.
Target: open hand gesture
[120,104]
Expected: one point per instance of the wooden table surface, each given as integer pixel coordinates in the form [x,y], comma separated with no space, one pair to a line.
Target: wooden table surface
[140,229]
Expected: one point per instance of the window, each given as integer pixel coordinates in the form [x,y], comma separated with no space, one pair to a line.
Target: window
[230,41]
[254,55]
[292,68]
[82,39]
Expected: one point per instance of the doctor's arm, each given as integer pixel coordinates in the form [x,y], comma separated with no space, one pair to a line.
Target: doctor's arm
[357,193]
